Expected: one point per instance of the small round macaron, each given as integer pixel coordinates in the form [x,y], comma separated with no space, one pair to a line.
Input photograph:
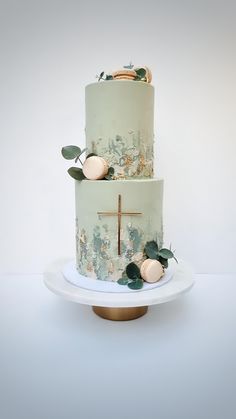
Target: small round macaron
[95,168]
[148,74]
[151,270]
[124,74]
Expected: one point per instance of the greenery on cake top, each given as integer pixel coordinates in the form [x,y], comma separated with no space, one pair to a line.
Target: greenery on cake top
[103,76]
[132,276]
[73,152]
[140,74]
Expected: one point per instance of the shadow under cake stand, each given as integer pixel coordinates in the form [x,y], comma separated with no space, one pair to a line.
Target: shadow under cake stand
[111,300]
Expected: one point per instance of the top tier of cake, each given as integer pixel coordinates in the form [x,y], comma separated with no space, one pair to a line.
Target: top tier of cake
[119,126]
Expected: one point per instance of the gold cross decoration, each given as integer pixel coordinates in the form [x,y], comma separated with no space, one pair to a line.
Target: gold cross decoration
[119,214]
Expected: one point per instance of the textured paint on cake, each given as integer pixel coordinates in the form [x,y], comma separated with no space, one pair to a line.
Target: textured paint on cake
[97,235]
[119,126]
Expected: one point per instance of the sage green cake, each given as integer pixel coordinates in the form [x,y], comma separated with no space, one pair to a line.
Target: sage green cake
[115,218]
[119,126]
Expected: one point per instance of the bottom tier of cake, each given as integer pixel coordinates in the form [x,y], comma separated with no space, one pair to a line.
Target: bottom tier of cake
[114,220]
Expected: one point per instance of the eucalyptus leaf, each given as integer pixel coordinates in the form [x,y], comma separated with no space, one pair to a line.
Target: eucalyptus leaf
[110,173]
[91,155]
[136,285]
[151,249]
[133,271]
[123,281]
[165,253]
[141,72]
[70,152]
[76,173]
[163,261]
[111,170]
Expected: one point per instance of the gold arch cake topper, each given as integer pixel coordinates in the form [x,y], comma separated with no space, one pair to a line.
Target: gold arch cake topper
[119,213]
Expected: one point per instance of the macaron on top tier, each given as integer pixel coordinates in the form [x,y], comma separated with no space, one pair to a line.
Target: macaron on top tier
[133,73]
[95,168]
[124,74]
[141,73]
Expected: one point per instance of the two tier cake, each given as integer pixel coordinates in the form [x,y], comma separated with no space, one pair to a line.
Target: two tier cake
[118,211]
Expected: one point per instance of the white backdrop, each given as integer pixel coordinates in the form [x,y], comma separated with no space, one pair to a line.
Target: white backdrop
[49,51]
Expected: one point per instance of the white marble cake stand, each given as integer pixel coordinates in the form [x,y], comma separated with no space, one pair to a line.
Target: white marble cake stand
[120,305]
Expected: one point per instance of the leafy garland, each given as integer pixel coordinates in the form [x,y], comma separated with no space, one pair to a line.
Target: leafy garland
[73,152]
[132,275]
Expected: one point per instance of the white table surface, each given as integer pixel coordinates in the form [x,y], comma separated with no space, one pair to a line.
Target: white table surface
[58,360]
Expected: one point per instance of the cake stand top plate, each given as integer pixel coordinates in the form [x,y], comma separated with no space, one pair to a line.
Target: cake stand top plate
[181,282]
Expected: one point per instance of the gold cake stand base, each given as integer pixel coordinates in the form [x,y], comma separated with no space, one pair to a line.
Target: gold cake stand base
[120,313]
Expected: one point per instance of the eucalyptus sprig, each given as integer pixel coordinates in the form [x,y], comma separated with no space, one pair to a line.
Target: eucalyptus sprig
[152,251]
[103,76]
[132,277]
[73,152]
